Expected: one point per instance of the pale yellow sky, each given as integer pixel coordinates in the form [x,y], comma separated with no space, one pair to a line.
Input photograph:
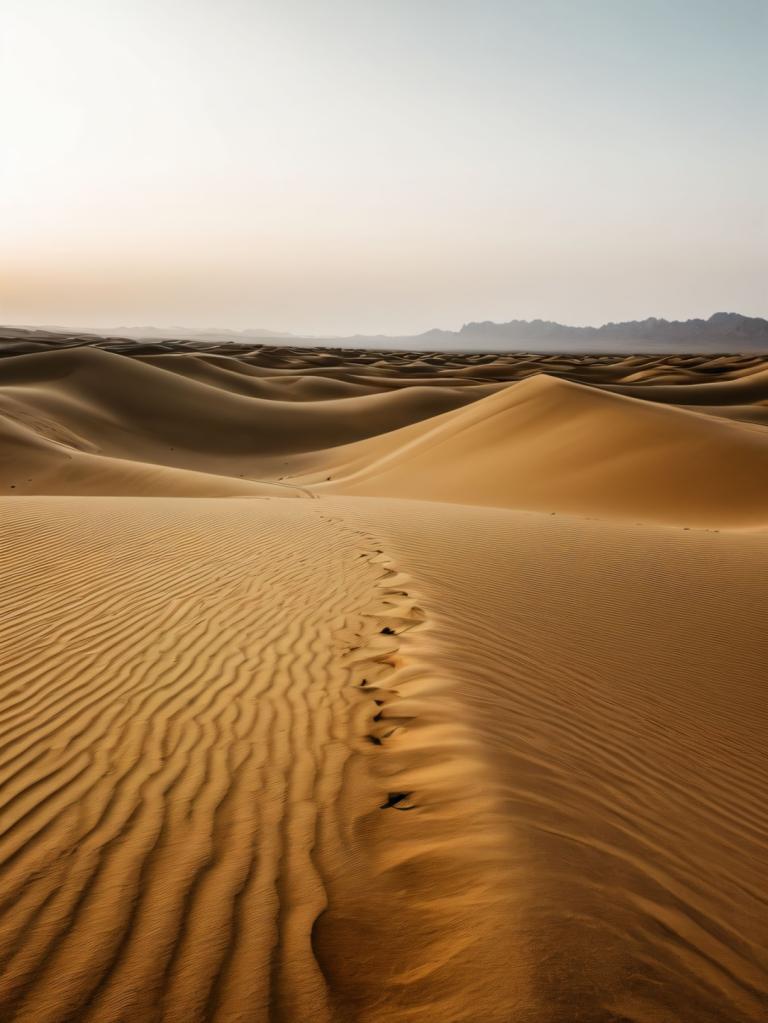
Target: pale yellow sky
[352,165]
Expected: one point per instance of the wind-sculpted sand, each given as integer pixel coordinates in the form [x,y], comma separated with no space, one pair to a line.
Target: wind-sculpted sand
[349,686]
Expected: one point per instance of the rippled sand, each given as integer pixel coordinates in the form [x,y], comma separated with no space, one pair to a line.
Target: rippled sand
[362,687]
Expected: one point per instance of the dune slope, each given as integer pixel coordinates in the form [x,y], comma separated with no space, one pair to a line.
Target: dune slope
[124,408]
[614,676]
[367,687]
[549,444]
[198,822]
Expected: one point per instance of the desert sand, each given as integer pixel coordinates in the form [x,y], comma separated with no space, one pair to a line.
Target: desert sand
[382,686]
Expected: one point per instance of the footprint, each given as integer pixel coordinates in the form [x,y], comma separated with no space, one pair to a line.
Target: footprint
[394,799]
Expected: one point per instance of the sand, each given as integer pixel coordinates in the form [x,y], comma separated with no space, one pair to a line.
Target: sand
[346,686]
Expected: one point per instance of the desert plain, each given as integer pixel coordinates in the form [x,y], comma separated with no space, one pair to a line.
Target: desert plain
[382,686]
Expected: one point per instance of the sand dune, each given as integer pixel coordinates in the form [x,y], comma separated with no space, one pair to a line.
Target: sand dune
[122,408]
[613,678]
[36,458]
[752,387]
[547,444]
[191,790]
[542,442]
[312,709]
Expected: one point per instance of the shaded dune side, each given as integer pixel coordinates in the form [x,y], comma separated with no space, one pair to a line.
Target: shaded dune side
[439,928]
[206,726]
[752,387]
[615,678]
[46,459]
[314,381]
[738,394]
[445,428]
[549,444]
[239,376]
[126,408]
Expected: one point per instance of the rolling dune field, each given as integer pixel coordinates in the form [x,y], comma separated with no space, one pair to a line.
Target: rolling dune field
[382,686]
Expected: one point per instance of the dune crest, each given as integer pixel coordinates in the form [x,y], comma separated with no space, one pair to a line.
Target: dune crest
[532,432]
[367,687]
[547,444]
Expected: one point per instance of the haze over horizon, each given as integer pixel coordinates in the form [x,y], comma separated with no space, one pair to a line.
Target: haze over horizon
[361,168]
[716,320]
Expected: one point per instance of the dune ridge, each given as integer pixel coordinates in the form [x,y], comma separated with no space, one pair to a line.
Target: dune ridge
[633,777]
[541,433]
[368,687]
[169,694]
[547,444]
[182,693]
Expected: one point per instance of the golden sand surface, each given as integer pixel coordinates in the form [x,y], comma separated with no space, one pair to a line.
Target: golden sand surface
[364,686]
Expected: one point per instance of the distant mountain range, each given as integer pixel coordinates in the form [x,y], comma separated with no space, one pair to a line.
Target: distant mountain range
[722,332]
[725,332]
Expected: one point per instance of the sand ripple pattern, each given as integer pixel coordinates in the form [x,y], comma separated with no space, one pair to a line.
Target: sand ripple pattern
[180,704]
[617,678]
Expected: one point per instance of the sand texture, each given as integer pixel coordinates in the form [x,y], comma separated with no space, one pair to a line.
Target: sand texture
[363,686]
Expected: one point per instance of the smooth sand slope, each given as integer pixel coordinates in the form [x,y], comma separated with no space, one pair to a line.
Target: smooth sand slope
[116,407]
[367,687]
[615,680]
[545,444]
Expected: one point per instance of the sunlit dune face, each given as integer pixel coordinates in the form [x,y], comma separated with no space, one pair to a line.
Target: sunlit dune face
[341,684]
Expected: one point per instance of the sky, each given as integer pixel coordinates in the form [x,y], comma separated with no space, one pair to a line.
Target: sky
[381,166]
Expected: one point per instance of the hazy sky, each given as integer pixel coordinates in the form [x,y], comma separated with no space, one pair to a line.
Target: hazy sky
[381,165]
